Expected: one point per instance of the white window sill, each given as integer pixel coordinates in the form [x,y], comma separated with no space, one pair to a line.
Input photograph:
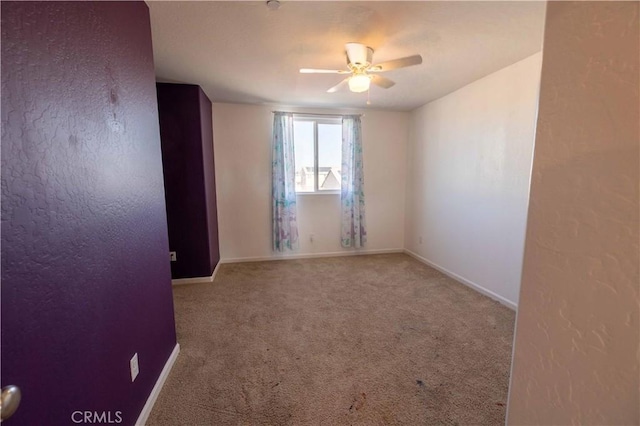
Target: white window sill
[318,193]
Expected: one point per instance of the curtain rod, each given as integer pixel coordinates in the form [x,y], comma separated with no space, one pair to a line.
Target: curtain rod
[310,114]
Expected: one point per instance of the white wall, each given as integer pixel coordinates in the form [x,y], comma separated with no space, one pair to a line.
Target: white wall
[577,347]
[242,142]
[469,164]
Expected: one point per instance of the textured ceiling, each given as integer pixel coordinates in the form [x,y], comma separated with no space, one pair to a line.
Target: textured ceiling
[243,52]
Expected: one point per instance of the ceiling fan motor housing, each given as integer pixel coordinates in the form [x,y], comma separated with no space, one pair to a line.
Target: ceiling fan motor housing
[358,55]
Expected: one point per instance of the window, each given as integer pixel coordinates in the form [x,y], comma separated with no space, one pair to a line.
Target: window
[318,154]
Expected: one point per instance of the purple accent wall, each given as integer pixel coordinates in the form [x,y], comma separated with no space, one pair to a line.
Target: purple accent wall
[85,270]
[189,178]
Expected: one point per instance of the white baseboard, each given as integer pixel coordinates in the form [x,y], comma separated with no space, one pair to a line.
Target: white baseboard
[153,396]
[463,280]
[310,255]
[197,280]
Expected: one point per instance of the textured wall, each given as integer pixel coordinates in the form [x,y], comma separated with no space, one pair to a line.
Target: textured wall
[576,349]
[468,169]
[85,274]
[189,178]
[243,170]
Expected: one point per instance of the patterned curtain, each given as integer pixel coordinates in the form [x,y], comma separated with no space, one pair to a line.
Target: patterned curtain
[354,233]
[283,192]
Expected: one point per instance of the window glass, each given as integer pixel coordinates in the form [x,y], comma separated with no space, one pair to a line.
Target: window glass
[318,146]
[329,156]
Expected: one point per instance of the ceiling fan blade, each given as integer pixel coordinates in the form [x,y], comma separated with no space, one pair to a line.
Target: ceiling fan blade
[397,63]
[338,86]
[320,71]
[381,81]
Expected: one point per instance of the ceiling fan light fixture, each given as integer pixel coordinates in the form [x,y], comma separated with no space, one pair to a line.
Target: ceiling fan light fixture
[359,83]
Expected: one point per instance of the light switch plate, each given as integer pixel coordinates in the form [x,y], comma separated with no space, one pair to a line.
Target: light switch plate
[135,369]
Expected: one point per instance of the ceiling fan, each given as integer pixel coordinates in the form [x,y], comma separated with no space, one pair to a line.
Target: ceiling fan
[362,71]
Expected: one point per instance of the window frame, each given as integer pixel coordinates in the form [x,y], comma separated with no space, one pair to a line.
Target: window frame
[316,120]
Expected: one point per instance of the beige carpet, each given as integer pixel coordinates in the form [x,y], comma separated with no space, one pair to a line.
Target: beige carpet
[362,340]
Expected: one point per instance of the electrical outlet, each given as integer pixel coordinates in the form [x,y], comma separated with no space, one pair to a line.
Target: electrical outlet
[311,237]
[133,365]
[174,256]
